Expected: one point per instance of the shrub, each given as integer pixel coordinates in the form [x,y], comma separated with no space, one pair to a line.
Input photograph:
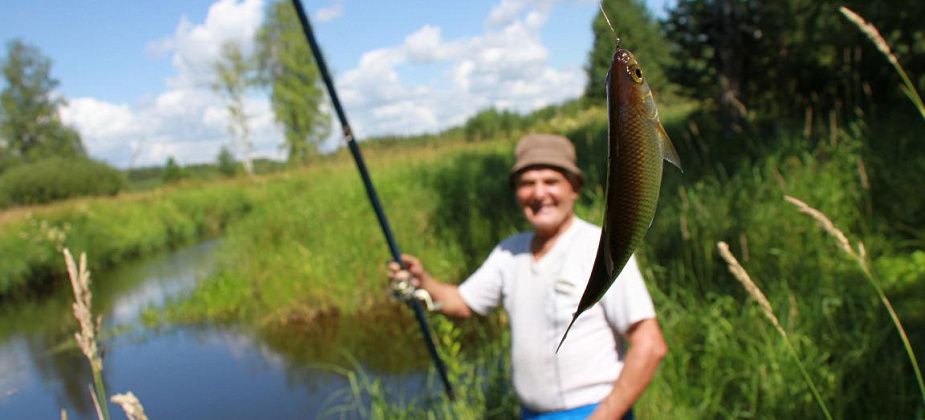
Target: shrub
[54,179]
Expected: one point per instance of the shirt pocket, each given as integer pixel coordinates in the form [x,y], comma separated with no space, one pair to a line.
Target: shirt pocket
[567,294]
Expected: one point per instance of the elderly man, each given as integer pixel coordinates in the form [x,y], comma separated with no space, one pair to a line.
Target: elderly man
[538,277]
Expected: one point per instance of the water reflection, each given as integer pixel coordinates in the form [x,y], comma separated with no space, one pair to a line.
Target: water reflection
[195,372]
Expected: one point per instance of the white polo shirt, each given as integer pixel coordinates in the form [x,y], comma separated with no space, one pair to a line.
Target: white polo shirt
[540,298]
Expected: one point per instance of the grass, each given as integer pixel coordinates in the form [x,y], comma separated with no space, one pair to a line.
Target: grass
[755,292]
[302,251]
[313,251]
[86,338]
[112,229]
[860,256]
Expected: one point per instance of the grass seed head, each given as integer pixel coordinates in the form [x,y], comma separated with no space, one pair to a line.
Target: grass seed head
[130,404]
[742,276]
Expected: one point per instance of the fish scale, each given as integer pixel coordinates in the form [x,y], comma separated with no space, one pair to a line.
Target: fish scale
[637,144]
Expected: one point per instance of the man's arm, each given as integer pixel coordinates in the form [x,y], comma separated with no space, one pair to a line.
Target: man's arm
[445,293]
[647,348]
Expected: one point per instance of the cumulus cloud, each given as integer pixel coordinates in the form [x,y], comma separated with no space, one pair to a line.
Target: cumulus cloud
[504,67]
[187,121]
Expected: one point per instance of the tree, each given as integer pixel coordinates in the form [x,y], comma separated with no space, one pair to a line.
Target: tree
[30,126]
[787,59]
[232,78]
[639,33]
[172,171]
[226,164]
[286,65]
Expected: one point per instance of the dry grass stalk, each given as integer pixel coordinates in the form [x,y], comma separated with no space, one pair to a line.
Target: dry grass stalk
[86,337]
[873,34]
[80,282]
[742,276]
[130,404]
[828,226]
[861,258]
[96,403]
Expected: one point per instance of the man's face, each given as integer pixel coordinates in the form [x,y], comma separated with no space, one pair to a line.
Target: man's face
[546,197]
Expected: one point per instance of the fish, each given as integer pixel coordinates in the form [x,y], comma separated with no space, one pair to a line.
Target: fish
[637,145]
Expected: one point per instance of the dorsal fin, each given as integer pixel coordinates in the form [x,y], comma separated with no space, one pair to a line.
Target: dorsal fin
[668,151]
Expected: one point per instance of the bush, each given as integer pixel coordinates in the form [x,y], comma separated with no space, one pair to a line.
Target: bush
[54,179]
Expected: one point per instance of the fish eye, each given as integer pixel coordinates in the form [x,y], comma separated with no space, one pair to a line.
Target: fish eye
[636,73]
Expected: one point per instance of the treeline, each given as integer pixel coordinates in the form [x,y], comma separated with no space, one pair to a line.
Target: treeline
[41,159]
[756,65]
[763,71]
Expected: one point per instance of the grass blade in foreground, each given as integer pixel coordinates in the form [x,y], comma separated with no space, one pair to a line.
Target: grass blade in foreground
[131,406]
[742,276]
[86,337]
[860,256]
[874,35]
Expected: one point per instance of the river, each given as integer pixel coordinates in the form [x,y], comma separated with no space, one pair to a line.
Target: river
[202,372]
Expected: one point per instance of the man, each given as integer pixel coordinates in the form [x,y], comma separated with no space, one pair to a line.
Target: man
[539,277]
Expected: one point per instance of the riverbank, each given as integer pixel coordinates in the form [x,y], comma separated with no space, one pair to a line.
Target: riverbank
[307,252]
[320,252]
[113,230]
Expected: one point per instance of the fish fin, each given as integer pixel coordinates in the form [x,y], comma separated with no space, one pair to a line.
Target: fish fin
[668,151]
[574,317]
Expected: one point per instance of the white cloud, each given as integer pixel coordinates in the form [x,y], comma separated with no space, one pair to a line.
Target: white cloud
[327,14]
[423,84]
[187,121]
[505,67]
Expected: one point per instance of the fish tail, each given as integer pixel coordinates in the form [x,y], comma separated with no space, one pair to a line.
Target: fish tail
[574,317]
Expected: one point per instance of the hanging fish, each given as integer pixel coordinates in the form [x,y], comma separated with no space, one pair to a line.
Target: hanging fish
[637,144]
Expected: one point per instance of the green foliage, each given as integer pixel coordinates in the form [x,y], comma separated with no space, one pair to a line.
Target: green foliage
[30,127]
[492,123]
[639,33]
[795,59]
[226,163]
[172,171]
[233,77]
[287,66]
[112,230]
[477,367]
[55,179]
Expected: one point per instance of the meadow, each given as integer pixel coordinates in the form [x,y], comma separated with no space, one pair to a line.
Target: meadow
[303,247]
[316,252]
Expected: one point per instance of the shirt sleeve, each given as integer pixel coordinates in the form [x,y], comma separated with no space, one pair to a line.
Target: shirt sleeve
[628,301]
[482,290]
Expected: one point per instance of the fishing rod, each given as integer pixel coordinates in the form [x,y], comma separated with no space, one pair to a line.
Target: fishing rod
[407,296]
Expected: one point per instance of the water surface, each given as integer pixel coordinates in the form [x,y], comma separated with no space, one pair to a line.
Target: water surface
[203,371]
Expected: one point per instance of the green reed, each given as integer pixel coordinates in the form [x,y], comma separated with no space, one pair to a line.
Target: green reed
[860,256]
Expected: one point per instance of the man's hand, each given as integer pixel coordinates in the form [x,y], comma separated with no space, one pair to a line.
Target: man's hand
[414,272]
[447,295]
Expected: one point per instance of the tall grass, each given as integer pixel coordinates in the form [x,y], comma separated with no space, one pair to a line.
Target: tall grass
[112,229]
[873,34]
[86,341]
[860,256]
[755,292]
[313,250]
[86,336]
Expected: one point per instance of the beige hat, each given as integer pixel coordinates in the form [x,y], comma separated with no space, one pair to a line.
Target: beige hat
[545,150]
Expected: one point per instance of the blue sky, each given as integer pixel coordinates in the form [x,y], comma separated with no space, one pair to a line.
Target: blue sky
[136,74]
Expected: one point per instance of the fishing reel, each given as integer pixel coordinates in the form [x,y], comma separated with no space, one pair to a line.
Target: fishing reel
[403,290]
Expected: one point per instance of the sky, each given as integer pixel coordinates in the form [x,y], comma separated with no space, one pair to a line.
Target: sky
[136,75]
